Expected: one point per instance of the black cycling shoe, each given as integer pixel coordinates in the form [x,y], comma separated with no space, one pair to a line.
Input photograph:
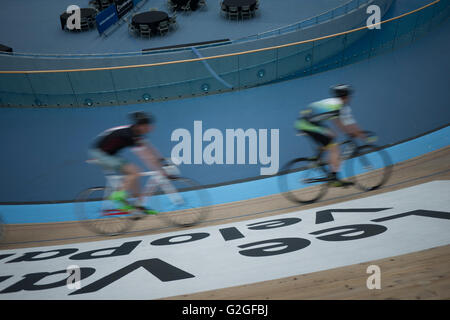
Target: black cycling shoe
[334,181]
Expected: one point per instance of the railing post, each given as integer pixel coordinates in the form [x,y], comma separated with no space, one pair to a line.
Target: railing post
[413,38]
[74,94]
[239,72]
[396,33]
[432,18]
[343,51]
[114,87]
[276,66]
[31,86]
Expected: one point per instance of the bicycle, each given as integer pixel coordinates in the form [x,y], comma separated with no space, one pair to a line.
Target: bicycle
[367,166]
[185,202]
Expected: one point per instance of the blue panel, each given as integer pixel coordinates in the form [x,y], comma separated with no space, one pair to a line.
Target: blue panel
[106,18]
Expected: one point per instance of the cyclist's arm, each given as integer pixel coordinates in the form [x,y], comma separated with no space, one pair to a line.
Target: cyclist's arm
[351,129]
[150,156]
[347,123]
[355,131]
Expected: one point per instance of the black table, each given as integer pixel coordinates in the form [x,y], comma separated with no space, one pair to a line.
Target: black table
[239,3]
[150,18]
[85,13]
[180,3]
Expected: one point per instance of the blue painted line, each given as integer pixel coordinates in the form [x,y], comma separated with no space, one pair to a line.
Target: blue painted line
[47,213]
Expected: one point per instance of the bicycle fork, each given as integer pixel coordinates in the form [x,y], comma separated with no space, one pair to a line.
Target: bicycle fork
[169,190]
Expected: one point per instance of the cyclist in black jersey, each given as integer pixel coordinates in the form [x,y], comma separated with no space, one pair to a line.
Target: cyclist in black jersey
[106,150]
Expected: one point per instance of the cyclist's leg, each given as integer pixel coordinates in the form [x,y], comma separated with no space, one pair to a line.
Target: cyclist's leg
[327,144]
[324,137]
[131,183]
[112,164]
[109,163]
[335,164]
[131,180]
[334,159]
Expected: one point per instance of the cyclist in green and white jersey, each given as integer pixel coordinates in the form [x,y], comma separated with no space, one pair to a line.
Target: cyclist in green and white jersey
[314,119]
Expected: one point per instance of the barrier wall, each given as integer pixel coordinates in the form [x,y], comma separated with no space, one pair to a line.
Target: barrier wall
[321,18]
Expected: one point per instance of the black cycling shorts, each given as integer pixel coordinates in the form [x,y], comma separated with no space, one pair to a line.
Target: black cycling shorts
[321,139]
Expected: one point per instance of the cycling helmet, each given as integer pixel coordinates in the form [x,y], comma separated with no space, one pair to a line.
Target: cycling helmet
[341,90]
[140,117]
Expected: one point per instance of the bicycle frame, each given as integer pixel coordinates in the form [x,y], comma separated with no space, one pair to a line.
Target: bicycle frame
[155,179]
[346,154]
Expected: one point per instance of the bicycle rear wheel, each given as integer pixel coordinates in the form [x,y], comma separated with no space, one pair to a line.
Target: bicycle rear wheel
[186,205]
[304,174]
[2,229]
[369,168]
[100,215]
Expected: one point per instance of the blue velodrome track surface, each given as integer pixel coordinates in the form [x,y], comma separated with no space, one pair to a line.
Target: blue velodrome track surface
[399,94]
[47,213]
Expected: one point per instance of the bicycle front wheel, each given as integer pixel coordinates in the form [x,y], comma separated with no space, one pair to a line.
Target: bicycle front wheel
[184,203]
[100,215]
[370,167]
[302,181]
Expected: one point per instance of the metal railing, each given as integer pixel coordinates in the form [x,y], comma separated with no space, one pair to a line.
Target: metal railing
[320,18]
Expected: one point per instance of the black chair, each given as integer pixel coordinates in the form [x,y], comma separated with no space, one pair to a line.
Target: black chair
[173,22]
[132,29]
[163,27]
[233,12]
[187,7]
[245,12]
[91,22]
[223,9]
[145,31]
[171,5]
[202,4]
[95,4]
[105,4]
